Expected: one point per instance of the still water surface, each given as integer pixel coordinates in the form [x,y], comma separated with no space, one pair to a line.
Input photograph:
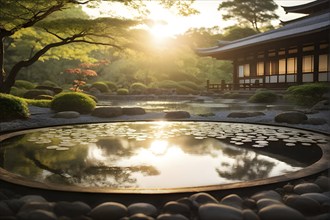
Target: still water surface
[152,154]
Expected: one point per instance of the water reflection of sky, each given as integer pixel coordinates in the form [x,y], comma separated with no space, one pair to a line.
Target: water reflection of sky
[151,154]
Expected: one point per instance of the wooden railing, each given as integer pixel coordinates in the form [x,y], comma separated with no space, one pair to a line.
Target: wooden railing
[232,86]
[223,86]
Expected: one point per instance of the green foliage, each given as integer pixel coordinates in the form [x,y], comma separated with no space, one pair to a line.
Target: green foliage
[12,108]
[17,91]
[122,91]
[49,83]
[73,101]
[190,85]
[101,86]
[167,84]
[111,85]
[24,84]
[263,96]
[237,32]
[184,90]
[34,93]
[307,94]
[256,13]
[138,88]
[43,103]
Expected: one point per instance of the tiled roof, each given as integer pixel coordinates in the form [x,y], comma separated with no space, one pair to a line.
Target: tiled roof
[310,24]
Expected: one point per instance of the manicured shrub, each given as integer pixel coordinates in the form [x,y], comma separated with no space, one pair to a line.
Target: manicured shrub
[112,86]
[122,91]
[231,95]
[101,86]
[73,101]
[17,91]
[190,85]
[49,83]
[34,93]
[12,107]
[307,94]
[43,103]
[184,90]
[167,84]
[24,84]
[138,88]
[263,96]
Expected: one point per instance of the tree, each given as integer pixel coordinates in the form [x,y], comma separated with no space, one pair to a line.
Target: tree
[255,12]
[39,19]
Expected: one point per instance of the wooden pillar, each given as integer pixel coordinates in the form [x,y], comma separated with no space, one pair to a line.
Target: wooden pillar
[235,75]
[316,61]
[299,64]
[207,85]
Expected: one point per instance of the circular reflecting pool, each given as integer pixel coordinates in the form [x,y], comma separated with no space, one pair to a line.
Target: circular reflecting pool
[156,155]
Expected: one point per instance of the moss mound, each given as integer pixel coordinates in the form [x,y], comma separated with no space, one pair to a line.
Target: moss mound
[263,96]
[101,86]
[12,107]
[307,94]
[122,91]
[24,84]
[138,88]
[73,101]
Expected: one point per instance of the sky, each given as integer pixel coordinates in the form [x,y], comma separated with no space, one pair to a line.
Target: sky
[208,17]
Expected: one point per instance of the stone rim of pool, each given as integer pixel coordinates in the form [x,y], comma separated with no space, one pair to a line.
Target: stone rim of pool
[317,167]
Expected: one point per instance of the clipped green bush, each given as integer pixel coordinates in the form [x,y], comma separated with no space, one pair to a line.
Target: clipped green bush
[190,85]
[34,93]
[138,88]
[111,85]
[184,90]
[167,84]
[101,86]
[12,107]
[49,83]
[306,94]
[43,103]
[24,84]
[73,101]
[263,96]
[17,91]
[122,91]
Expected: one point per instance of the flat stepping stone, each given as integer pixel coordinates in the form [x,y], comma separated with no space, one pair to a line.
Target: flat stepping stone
[67,114]
[107,112]
[290,117]
[133,111]
[244,114]
[177,115]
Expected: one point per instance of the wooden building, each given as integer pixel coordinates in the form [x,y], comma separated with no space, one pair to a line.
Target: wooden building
[296,53]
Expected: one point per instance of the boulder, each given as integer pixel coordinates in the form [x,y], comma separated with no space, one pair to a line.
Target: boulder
[244,114]
[173,207]
[219,211]
[109,211]
[283,212]
[134,111]
[321,105]
[306,188]
[177,115]
[305,205]
[107,112]
[142,208]
[291,117]
[67,114]
[201,198]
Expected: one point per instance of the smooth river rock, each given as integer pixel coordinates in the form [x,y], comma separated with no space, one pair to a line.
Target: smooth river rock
[306,188]
[218,211]
[107,112]
[144,208]
[67,114]
[303,204]
[290,117]
[109,211]
[280,212]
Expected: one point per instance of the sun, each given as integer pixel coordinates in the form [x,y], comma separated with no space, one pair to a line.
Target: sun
[161,32]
